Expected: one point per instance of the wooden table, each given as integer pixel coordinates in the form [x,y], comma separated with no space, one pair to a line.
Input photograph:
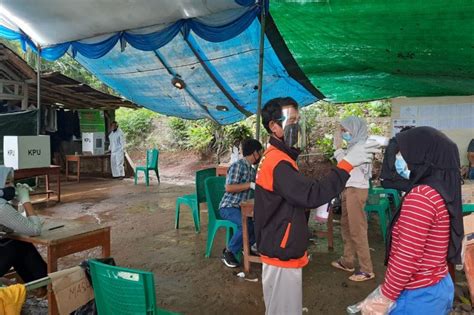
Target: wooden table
[221,170]
[246,208]
[77,159]
[73,237]
[52,170]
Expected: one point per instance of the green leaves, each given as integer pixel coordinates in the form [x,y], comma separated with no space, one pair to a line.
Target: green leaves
[207,136]
[325,145]
[136,124]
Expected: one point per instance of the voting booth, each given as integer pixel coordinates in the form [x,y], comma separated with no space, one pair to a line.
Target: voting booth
[93,143]
[22,152]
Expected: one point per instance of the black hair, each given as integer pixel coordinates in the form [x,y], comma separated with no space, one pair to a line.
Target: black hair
[115,122]
[7,193]
[272,110]
[250,146]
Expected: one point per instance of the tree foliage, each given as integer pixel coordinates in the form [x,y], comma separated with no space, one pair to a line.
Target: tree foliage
[136,124]
[207,136]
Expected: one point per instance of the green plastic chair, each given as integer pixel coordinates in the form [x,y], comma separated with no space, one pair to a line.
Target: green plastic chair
[193,201]
[468,208]
[386,191]
[378,203]
[215,188]
[151,165]
[119,290]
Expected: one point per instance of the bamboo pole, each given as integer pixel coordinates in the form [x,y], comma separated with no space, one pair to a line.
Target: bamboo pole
[38,88]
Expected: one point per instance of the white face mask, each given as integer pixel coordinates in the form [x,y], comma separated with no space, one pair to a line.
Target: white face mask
[346,136]
[401,166]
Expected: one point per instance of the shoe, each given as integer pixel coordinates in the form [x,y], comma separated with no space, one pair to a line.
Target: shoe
[338,264]
[362,276]
[254,250]
[229,259]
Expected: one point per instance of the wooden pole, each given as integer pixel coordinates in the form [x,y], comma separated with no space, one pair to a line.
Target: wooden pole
[38,92]
[260,67]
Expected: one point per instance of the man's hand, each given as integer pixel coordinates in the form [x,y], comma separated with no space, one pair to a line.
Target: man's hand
[23,192]
[362,153]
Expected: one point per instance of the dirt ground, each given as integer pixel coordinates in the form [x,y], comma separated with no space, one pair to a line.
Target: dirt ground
[144,237]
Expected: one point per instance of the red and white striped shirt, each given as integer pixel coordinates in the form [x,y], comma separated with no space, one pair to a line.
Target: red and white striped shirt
[420,241]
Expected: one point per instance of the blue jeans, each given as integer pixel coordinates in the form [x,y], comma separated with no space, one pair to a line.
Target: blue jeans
[436,299]
[234,215]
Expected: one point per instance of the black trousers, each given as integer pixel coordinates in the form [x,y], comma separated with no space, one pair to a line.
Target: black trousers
[24,257]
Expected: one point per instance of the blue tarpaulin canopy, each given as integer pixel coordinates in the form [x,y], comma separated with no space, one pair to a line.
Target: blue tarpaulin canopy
[137,50]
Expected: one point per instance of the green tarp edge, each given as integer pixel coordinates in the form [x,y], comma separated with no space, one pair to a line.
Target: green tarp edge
[366,50]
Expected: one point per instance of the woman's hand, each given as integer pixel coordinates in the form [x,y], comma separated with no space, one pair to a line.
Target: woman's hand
[376,303]
[23,193]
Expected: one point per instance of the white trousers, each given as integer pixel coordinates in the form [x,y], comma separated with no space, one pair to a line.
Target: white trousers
[116,164]
[282,290]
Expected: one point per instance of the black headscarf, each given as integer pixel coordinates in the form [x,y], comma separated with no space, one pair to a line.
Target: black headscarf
[433,160]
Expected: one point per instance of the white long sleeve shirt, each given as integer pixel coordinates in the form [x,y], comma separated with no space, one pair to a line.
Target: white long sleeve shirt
[117,141]
[360,175]
[13,220]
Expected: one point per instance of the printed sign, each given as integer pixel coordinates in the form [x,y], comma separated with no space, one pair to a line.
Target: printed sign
[92,120]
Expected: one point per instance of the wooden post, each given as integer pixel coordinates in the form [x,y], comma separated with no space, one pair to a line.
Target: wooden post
[24,101]
[38,88]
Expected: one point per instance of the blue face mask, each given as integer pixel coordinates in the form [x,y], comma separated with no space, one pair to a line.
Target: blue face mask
[346,136]
[402,167]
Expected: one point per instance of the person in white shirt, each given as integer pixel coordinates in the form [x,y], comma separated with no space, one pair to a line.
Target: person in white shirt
[354,220]
[117,151]
[22,256]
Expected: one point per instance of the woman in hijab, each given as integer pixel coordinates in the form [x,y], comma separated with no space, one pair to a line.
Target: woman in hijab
[20,255]
[426,233]
[354,220]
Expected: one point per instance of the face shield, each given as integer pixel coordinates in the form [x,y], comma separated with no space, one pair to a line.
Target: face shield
[293,128]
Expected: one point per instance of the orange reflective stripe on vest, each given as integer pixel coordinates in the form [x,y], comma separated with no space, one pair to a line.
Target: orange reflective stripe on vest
[270,160]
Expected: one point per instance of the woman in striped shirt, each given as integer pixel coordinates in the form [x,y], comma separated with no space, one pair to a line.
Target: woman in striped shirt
[426,233]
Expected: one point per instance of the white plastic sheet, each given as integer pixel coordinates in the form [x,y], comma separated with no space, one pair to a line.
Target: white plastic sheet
[51,22]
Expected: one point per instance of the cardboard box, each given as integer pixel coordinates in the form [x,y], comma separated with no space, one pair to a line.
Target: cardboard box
[72,289]
[467,192]
[468,222]
[26,151]
[93,143]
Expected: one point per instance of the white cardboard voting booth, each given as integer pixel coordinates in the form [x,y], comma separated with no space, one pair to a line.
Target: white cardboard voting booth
[26,151]
[93,143]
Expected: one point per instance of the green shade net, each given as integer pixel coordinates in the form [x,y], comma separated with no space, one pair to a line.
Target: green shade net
[365,50]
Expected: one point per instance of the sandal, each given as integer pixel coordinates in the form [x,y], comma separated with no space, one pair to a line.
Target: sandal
[338,264]
[362,276]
